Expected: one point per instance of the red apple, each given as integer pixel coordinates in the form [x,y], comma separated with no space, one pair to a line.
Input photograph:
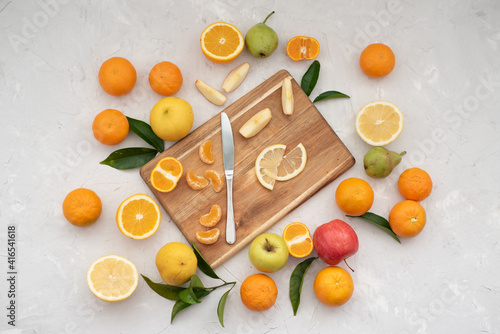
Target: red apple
[335,241]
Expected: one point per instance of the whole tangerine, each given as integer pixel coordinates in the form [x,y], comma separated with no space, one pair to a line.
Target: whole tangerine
[117,76]
[354,196]
[165,78]
[377,60]
[415,184]
[333,286]
[110,127]
[407,219]
[258,292]
[82,207]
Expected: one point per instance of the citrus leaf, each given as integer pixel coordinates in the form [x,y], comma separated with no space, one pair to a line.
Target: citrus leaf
[296,280]
[181,305]
[310,78]
[222,305]
[144,130]
[164,290]
[378,221]
[203,264]
[331,94]
[188,295]
[128,158]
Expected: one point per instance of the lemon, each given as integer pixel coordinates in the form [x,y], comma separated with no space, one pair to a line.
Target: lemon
[171,118]
[112,278]
[292,164]
[379,123]
[176,263]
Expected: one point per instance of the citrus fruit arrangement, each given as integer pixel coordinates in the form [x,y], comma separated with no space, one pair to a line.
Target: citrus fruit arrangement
[114,278]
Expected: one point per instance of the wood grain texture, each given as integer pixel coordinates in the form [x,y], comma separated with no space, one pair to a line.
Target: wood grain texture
[256,208]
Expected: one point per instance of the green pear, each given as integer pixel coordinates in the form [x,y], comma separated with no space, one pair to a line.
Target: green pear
[261,40]
[379,162]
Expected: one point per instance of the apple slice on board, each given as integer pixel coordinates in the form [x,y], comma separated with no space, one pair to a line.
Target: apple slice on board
[256,123]
[287,96]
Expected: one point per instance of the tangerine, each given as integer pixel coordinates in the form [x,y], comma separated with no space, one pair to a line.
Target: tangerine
[407,219]
[415,184]
[302,48]
[212,218]
[205,152]
[354,196]
[298,239]
[82,207]
[110,127]
[377,60]
[333,286]
[165,78]
[216,179]
[117,76]
[208,237]
[196,182]
[258,292]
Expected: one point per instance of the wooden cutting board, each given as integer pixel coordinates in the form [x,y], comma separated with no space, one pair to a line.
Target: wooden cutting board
[256,208]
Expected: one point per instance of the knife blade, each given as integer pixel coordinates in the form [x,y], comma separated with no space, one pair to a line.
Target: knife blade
[228,158]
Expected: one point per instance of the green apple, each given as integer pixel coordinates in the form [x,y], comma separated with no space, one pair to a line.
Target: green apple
[268,252]
[171,118]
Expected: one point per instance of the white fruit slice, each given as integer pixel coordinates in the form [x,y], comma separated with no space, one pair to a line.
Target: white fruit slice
[211,94]
[256,123]
[266,164]
[287,97]
[235,77]
[292,163]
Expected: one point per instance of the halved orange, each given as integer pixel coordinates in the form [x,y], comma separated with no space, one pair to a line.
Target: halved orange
[138,217]
[216,178]
[196,182]
[298,239]
[166,174]
[208,237]
[205,152]
[211,219]
[302,48]
[221,42]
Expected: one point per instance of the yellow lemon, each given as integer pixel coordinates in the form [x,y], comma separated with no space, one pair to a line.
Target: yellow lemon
[176,263]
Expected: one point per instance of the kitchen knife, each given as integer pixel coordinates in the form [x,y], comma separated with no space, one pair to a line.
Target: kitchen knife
[228,156]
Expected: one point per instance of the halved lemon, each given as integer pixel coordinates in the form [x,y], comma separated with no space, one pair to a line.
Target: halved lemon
[112,278]
[221,42]
[166,174]
[138,217]
[292,164]
[266,164]
[298,239]
[379,123]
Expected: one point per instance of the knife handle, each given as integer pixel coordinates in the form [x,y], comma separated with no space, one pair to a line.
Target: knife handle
[230,225]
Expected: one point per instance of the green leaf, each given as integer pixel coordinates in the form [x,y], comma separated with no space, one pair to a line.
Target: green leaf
[378,221]
[188,295]
[181,305]
[128,158]
[296,280]
[143,130]
[222,305]
[164,290]
[310,78]
[331,94]
[203,264]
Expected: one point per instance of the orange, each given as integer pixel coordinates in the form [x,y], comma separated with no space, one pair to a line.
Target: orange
[221,42]
[208,237]
[258,292]
[298,239]
[211,219]
[415,184]
[377,60]
[82,207]
[196,182]
[302,48]
[165,78]
[117,76]
[216,179]
[407,219]
[138,217]
[166,174]
[333,286]
[205,152]
[110,127]
[354,196]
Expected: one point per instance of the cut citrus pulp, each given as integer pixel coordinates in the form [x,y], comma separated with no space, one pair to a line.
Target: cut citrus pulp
[221,42]
[112,278]
[196,182]
[216,178]
[205,152]
[208,237]
[302,48]
[138,217]
[379,123]
[292,164]
[298,239]
[166,174]
[266,164]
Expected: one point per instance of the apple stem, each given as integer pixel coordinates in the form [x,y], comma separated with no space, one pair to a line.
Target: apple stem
[347,264]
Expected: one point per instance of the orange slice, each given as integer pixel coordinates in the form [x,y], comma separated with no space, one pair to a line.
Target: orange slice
[298,239]
[166,174]
[379,123]
[205,152]
[216,179]
[112,278]
[302,48]
[138,217]
[211,219]
[221,42]
[208,237]
[196,182]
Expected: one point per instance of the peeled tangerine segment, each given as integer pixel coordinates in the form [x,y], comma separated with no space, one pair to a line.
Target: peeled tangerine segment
[216,178]
[208,237]
[211,219]
[196,182]
[205,152]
